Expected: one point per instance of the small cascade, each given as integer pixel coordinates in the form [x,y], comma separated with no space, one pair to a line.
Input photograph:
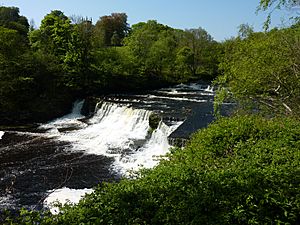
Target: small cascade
[112,130]
[209,89]
[1,134]
[67,122]
[148,155]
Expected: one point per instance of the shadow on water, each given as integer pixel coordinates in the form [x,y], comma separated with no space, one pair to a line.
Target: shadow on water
[30,165]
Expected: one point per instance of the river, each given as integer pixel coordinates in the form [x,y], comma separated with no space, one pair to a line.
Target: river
[66,157]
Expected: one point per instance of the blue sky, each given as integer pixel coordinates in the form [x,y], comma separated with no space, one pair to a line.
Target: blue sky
[219,17]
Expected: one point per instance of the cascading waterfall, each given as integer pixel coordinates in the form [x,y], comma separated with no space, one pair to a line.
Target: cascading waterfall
[64,195]
[112,129]
[1,134]
[148,155]
[67,121]
[209,89]
[117,131]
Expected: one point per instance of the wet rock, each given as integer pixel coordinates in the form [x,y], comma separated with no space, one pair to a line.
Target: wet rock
[154,120]
[89,105]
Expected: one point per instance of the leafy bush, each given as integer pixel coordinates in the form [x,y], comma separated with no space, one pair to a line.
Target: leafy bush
[241,170]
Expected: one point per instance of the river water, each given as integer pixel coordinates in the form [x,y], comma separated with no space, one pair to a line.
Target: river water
[66,157]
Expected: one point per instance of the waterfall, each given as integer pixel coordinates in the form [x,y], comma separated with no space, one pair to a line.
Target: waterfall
[147,156]
[83,151]
[1,134]
[117,131]
[66,122]
[112,130]
[63,196]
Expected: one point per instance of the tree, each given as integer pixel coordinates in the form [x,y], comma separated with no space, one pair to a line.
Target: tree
[10,18]
[203,46]
[110,30]
[266,4]
[54,34]
[271,5]
[11,44]
[79,53]
[245,30]
[184,61]
[145,42]
[66,44]
[162,54]
[262,71]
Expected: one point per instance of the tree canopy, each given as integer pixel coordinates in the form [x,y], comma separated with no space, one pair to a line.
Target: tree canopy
[262,71]
[271,5]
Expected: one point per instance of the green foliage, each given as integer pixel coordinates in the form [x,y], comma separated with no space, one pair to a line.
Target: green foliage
[110,30]
[10,18]
[10,43]
[238,171]
[245,30]
[242,170]
[142,43]
[266,4]
[272,5]
[174,55]
[54,34]
[262,72]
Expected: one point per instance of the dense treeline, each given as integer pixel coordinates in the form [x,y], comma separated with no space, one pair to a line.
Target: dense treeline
[44,69]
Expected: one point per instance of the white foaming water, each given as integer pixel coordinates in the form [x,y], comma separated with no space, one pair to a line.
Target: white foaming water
[113,128]
[209,89]
[148,155]
[172,98]
[114,131]
[68,120]
[63,196]
[1,134]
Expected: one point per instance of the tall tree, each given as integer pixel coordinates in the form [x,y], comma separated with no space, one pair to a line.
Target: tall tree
[245,30]
[202,46]
[150,44]
[79,53]
[10,18]
[110,30]
[54,34]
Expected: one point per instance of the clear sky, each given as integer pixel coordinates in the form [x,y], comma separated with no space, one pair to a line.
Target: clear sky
[220,18]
